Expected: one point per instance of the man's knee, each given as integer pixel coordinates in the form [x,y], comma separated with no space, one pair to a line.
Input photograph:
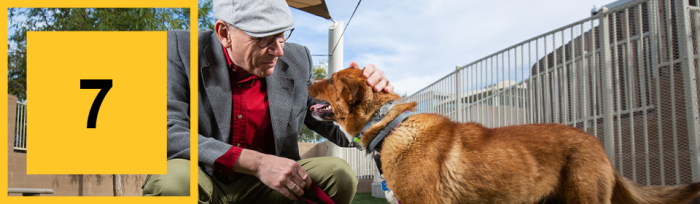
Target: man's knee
[175,183]
[339,179]
[341,172]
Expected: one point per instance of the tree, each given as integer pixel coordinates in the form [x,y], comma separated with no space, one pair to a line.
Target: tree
[22,20]
[206,19]
[81,19]
[320,70]
[306,134]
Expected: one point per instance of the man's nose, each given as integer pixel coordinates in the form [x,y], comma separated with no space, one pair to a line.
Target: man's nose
[276,48]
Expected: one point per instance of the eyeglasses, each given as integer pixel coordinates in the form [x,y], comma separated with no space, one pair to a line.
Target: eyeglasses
[281,38]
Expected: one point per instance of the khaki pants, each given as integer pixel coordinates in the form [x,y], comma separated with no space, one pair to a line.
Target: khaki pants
[332,174]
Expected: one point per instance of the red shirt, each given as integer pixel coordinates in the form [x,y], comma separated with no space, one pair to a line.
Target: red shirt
[251,127]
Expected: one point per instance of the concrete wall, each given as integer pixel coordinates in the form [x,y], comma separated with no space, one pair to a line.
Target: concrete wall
[63,185]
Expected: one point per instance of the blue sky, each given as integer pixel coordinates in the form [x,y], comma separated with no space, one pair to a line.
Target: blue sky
[418,42]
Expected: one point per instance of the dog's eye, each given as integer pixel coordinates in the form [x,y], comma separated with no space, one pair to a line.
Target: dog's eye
[331,80]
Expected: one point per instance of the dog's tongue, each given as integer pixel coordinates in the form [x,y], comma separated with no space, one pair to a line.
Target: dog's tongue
[318,106]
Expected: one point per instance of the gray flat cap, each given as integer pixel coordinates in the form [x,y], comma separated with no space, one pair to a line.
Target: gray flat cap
[257,18]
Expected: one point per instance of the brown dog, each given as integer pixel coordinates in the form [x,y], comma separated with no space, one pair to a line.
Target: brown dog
[430,159]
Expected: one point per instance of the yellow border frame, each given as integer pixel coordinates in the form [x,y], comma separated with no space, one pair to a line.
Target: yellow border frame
[193,5]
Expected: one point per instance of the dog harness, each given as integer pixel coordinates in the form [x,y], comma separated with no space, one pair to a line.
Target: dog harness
[393,124]
[378,116]
[375,146]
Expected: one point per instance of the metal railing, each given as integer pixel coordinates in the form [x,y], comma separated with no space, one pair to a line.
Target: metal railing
[362,164]
[625,76]
[21,127]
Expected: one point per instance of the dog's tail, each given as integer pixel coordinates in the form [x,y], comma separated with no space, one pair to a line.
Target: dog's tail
[626,191]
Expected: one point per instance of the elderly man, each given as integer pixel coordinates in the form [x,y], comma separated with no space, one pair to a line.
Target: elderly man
[253,101]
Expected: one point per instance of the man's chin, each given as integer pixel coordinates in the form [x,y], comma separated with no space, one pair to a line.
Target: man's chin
[267,72]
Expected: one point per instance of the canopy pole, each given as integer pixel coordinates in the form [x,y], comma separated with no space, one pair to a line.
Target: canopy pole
[335,58]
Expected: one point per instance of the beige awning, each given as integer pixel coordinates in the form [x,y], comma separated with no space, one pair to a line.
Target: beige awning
[316,7]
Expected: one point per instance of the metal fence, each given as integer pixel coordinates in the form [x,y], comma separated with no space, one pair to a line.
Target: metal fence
[361,163]
[21,127]
[627,75]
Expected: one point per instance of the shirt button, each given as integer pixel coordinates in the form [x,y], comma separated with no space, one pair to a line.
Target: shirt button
[240,116]
[238,145]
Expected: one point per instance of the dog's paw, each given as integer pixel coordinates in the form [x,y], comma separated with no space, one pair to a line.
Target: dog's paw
[390,197]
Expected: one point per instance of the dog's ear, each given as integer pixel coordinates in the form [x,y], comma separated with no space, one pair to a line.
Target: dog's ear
[352,90]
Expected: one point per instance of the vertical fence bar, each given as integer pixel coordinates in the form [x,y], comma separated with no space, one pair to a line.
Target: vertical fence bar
[487,115]
[443,93]
[607,88]
[448,95]
[436,98]
[481,90]
[516,99]
[630,88]
[641,67]
[522,78]
[574,76]
[539,89]
[554,81]
[616,78]
[17,125]
[444,96]
[685,50]
[532,96]
[647,101]
[510,93]
[453,92]
[656,60]
[671,68]
[584,68]
[595,70]
[546,85]
[458,89]
[645,80]
[507,93]
[495,95]
[564,97]
[494,91]
[20,137]
[470,91]
[24,125]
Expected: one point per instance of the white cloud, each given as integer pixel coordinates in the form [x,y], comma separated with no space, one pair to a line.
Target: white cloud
[417,42]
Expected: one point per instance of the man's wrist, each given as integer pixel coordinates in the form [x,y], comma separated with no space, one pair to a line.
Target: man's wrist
[249,162]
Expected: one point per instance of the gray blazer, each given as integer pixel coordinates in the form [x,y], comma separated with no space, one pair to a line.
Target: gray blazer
[286,89]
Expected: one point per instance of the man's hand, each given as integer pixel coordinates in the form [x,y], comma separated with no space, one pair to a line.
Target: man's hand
[283,175]
[375,77]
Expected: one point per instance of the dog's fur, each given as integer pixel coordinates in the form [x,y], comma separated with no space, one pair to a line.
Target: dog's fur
[430,159]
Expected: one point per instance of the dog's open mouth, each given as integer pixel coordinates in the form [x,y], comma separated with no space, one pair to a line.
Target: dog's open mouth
[322,111]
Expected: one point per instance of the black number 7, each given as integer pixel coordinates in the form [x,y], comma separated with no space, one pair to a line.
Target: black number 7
[105,85]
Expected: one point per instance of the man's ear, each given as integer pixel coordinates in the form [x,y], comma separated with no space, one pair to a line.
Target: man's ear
[222,29]
[353,90]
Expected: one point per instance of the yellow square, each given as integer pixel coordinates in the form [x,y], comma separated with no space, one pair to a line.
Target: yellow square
[129,133]
[192,4]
